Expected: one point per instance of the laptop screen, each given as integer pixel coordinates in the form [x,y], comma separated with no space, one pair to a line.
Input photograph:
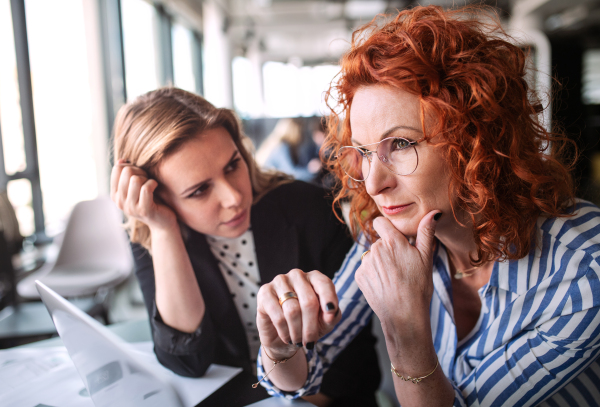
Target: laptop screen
[112,375]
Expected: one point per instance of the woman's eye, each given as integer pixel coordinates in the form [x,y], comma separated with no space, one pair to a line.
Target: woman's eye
[199,191]
[233,165]
[400,144]
[363,151]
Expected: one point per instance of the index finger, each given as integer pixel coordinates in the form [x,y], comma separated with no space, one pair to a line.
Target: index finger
[115,174]
[387,231]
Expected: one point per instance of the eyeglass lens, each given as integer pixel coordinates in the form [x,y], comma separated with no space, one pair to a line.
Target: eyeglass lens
[396,153]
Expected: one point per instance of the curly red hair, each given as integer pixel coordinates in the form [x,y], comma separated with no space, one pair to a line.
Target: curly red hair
[471,79]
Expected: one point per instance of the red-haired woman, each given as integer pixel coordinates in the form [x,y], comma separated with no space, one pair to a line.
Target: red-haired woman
[472,250]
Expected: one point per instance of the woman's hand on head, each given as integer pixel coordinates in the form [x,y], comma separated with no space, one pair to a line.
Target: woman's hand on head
[396,277]
[296,322]
[133,192]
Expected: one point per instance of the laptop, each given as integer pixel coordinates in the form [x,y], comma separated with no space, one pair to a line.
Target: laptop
[113,375]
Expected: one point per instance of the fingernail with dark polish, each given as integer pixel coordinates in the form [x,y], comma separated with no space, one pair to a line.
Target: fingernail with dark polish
[291,343]
[330,306]
[310,345]
[437,216]
[299,344]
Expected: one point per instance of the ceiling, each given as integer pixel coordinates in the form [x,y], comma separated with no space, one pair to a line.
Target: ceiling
[311,32]
[308,32]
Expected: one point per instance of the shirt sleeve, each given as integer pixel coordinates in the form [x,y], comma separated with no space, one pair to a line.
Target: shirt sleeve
[541,359]
[356,313]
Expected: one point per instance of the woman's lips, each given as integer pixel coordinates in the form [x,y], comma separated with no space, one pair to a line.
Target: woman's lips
[393,210]
[237,219]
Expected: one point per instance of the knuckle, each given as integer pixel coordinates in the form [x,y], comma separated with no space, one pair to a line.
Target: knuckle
[144,189]
[293,312]
[262,291]
[279,279]
[143,212]
[310,306]
[127,172]
[279,321]
[130,209]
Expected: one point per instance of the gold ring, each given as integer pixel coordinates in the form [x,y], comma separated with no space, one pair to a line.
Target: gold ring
[287,296]
[364,254]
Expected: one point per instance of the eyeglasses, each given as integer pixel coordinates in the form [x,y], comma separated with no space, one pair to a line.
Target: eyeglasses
[398,154]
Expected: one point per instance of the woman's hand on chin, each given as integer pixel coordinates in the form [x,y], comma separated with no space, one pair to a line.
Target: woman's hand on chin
[396,277]
[283,328]
[133,192]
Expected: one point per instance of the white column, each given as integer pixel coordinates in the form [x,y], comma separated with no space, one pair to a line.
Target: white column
[255,56]
[99,129]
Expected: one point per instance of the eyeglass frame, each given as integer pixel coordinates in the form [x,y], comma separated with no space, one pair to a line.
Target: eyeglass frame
[368,153]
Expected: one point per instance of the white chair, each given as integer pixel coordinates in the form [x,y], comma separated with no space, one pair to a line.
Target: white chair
[94,254]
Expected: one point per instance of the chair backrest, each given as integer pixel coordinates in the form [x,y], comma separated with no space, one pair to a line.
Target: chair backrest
[94,237]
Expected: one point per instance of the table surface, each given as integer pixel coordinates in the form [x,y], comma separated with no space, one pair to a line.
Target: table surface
[237,392]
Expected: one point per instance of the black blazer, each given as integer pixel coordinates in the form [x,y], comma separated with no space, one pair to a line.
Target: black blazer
[293,227]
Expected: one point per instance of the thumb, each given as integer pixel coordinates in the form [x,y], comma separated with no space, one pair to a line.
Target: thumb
[426,233]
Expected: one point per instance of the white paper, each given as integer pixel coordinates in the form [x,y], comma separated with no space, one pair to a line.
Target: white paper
[191,390]
[18,366]
[46,376]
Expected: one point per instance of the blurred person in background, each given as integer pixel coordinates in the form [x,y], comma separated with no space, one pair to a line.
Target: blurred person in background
[208,228]
[288,149]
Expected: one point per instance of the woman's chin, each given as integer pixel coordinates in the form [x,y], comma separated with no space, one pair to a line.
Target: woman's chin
[408,229]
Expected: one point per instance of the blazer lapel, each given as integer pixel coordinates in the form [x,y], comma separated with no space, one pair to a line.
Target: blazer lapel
[275,240]
[217,297]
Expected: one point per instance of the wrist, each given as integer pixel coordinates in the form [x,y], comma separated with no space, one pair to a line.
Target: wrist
[165,230]
[279,352]
[404,336]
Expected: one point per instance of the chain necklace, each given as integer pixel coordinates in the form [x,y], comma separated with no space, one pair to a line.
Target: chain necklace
[460,274]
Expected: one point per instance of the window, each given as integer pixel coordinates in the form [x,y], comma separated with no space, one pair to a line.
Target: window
[246,90]
[62,105]
[291,91]
[139,44]
[183,66]
[49,119]
[11,125]
[591,77]
[10,109]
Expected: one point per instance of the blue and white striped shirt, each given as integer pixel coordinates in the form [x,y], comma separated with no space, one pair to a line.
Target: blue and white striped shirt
[538,334]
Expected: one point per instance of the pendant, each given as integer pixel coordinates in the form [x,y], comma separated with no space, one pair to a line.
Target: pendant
[458,276]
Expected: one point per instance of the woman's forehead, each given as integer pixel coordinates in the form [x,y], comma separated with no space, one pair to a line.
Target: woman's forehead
[198,157]
[378,110]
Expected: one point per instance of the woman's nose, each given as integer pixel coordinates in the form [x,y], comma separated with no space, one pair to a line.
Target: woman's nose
[379,177]
[230,195]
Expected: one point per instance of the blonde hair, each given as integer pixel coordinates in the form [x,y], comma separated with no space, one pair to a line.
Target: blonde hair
[159,122]
[287,131]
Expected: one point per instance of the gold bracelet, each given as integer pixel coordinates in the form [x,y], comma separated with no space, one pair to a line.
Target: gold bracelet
[275,363]
[414,379]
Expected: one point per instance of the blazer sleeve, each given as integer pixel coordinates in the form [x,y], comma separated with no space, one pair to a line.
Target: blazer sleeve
[187,354]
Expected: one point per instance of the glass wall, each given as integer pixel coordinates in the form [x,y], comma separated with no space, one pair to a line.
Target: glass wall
[11,124]
[62,38]
[62,105]
[183,67]
[139,43]
[290,91]
[591,76]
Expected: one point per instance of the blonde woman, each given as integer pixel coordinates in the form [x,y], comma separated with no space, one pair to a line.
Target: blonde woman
[208,228]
